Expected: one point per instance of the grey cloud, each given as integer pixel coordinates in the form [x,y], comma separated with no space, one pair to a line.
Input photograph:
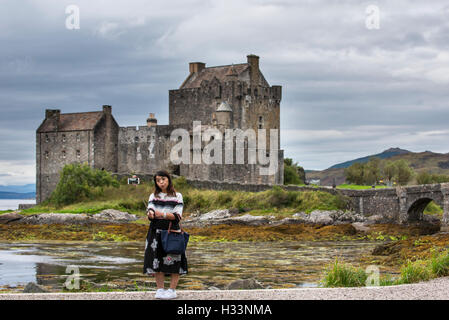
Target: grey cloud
[336,74]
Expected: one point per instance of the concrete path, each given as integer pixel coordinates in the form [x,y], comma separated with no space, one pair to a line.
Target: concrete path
[437,289]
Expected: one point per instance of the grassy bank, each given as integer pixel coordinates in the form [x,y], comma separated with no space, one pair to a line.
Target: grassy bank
[133,199]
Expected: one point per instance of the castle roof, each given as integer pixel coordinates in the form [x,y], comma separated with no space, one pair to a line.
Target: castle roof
[72,122]
[224,106]
[222,73]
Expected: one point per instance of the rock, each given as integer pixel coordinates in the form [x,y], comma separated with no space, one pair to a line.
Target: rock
[320,217]
[105,216]
[215,214]
[301,216]
[111,215]
[250,220]
[32,287]
[10,217]
[346,216]
[287,221]
[55,218]
[213,288]
[244,284]
[428,218]
[360,226]
[375,219]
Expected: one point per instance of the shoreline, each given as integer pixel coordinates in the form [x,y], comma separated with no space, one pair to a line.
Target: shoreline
[435,289]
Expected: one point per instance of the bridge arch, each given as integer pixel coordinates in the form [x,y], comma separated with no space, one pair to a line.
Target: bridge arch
[415,211]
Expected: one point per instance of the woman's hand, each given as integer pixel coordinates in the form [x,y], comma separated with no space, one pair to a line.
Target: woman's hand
[151,214]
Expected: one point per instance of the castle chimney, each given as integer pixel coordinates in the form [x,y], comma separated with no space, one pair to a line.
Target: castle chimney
[107,109]
[151,121]
[253,62]
[195,67]
[53,115]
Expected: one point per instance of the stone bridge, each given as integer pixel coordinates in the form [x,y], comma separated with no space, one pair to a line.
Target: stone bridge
[402,204]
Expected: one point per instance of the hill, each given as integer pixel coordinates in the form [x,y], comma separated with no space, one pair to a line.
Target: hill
[420,161]
[15,195]
[383,155]
[18,189]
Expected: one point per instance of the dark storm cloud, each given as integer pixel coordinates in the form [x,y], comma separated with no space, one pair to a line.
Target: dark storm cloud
[347,91]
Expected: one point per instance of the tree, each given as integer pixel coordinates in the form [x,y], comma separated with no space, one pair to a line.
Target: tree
[404,173]
[372,171]
[77,181]
[423,178]
[293,173]
[389,170]
[355,173]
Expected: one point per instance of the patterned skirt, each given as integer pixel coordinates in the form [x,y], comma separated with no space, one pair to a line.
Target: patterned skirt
[157,260]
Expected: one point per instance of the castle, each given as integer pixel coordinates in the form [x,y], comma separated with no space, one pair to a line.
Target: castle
[222,97]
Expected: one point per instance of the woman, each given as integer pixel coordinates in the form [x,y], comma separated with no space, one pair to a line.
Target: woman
[165,205]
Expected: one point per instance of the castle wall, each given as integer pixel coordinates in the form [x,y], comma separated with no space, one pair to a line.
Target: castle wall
[144,149]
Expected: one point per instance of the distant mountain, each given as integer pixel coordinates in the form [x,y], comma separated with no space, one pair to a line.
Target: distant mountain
[15,195]
[383,155]
[420,161]
[19,189]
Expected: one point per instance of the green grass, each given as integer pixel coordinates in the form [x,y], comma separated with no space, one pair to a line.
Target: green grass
[433,209]
[344,275]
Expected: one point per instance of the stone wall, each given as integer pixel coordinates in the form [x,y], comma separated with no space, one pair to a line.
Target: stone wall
[56,149]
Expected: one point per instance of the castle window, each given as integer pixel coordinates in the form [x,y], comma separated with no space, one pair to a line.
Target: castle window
[48,179]
[260,122]
[46,154]
[78,153]
[63,138]
[46,138]
[63,154]
[249,91]
[136,139]
[78,137]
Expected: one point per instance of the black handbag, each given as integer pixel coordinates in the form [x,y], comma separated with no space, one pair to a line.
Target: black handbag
[174,242]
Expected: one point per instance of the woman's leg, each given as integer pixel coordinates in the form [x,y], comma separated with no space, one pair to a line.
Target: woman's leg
[159,280]
[174,280]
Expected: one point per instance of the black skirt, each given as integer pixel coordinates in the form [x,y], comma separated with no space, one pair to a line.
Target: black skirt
[156,259]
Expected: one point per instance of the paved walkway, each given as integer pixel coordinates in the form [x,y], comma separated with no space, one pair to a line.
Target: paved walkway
[437,289]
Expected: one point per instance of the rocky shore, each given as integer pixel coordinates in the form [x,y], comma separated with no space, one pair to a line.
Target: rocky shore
[109,216]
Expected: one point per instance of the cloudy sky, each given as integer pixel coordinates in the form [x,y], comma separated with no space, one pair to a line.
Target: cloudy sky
[348,90]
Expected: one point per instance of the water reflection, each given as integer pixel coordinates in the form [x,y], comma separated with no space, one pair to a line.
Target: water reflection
[211,264]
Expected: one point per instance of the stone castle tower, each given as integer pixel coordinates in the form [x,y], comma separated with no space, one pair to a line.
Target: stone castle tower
[224,97]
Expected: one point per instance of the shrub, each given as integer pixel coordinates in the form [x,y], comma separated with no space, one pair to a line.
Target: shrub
[78,182]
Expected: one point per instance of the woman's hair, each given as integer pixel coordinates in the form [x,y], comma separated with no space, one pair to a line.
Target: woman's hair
[170,189]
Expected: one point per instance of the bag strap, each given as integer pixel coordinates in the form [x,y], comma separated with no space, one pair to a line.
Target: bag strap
[179,223]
